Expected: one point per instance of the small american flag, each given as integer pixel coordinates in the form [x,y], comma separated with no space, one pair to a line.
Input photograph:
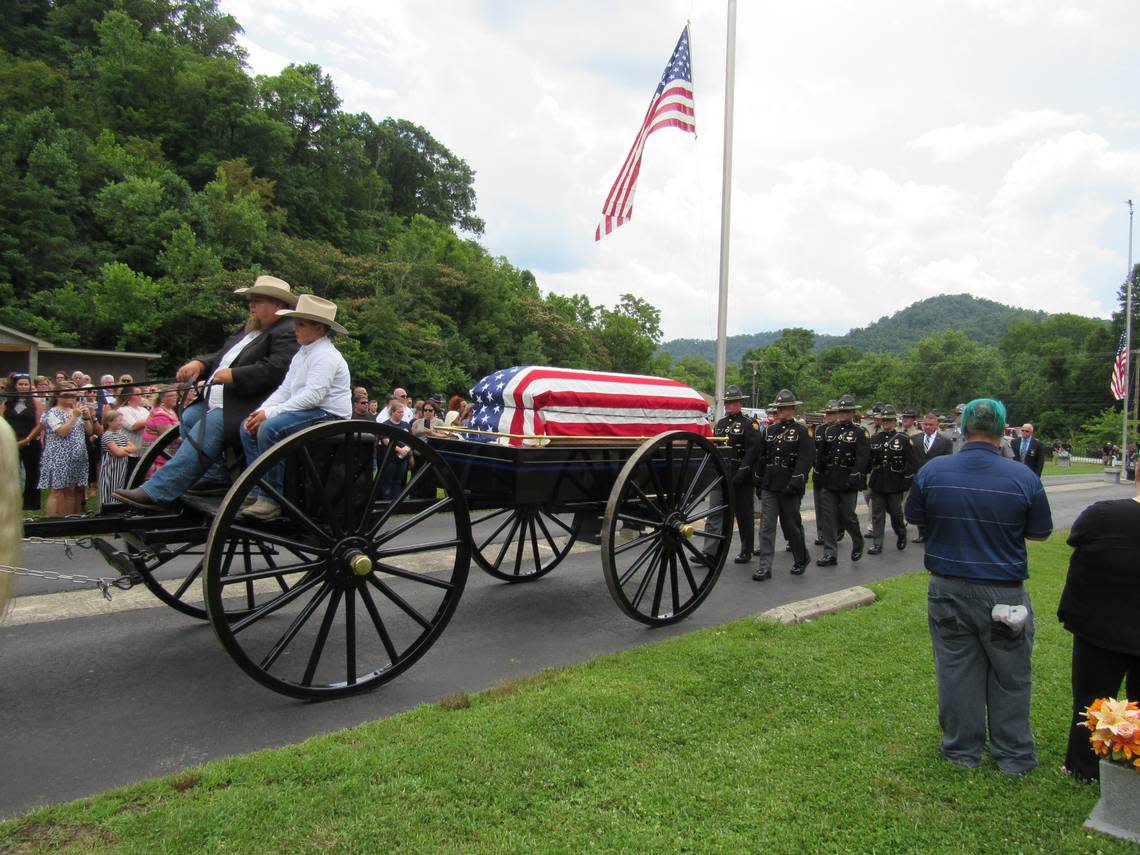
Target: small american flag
[536,400]
[672,107]
[1119,383]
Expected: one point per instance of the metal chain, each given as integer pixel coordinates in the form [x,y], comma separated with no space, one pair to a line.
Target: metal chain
[104,584]
[82,543]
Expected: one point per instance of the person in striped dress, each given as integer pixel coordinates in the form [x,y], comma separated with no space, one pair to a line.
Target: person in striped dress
[118,456]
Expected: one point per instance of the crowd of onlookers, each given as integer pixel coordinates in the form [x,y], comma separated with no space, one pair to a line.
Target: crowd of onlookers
[421,416]
[79,439]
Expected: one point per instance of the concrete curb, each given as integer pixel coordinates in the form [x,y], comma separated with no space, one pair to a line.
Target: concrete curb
[838,601]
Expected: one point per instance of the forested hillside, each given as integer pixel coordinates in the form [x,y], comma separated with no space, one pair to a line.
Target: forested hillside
[980,320]
[145,173]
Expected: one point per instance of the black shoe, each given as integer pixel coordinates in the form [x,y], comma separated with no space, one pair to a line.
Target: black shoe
[857,550]
[819,541]
[762,575]
[798,569]
[139,499]
[827,561]
[743,558]
[901,542]
[202,487]
[919,539]
[875,550]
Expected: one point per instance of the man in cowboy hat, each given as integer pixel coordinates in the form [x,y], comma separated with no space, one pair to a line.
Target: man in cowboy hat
[848,452]
[783,465]
[743,435]
[316,388]
[248,366]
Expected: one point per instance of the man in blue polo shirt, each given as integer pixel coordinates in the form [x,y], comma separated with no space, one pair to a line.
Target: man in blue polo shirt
[978,509]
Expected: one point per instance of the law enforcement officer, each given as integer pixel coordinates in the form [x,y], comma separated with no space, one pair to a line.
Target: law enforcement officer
[848,453]
[782,466]
[909,422]
[875,425]
[743,434]
[954,434]
[893,464]
[822,521]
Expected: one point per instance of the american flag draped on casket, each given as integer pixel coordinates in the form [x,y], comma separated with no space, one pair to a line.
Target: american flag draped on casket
[535,400]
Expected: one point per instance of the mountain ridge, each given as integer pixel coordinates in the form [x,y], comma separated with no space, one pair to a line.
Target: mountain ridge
[983,320]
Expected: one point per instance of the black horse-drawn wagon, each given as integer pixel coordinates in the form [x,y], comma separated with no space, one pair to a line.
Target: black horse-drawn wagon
[353,583]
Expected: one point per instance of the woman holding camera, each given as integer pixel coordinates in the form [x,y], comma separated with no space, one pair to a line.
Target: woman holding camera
[63,468]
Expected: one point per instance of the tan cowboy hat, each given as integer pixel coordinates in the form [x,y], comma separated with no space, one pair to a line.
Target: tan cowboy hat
[270,286]
[312,308]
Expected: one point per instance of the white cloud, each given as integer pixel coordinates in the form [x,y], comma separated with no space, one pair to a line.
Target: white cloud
[962,140]
[884,152]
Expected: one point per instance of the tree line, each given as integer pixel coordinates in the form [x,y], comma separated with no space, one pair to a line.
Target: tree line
[1053,372]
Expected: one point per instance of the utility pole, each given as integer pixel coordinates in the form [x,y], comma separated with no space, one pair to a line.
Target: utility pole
[1127,345]
[725,206]
[754,363]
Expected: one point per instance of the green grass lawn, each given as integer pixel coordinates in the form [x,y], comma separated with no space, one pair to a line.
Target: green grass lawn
[747,737]
[1052,468]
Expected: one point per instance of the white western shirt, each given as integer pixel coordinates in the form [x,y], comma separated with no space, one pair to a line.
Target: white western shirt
[317,379]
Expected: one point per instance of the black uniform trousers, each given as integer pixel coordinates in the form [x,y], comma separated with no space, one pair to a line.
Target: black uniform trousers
[787,507]
[840,517]
[743,511]
[1097,673]
[823,519]
[883,504]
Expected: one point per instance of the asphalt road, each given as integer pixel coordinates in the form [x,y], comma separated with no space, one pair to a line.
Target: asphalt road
[95,702]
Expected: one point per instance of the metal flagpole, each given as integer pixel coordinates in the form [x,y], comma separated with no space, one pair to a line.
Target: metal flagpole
[1127,344]
[725,209]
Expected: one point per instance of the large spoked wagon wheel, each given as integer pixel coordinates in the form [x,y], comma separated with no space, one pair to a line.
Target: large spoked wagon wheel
[658,560]
[374,560]
[521,543]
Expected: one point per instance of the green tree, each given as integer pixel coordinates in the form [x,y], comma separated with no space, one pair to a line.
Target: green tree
[946,369]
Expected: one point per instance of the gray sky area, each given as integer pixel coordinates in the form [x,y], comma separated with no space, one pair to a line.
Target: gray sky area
[884,151]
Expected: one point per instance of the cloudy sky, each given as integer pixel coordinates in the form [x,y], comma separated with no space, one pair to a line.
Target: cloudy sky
[884,152]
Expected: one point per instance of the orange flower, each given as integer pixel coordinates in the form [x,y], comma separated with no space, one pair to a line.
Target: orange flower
[1115,726]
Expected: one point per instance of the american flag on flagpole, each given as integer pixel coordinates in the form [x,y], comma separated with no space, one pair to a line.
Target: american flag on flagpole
[537,400]
[672,107]
[1119,383]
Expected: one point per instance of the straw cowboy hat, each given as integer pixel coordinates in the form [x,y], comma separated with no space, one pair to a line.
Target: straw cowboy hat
[311,308]
[270,286]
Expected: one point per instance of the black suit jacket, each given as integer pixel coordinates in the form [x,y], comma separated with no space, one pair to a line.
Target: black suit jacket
[940,446]
[258,370]
[1035,457]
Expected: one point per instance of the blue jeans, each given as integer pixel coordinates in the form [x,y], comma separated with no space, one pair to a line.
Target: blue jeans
[190,418]
[269,433]
[188,463]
